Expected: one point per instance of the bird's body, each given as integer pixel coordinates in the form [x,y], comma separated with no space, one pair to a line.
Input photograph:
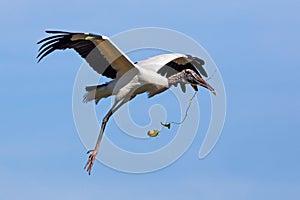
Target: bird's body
[132,83]
[153,75]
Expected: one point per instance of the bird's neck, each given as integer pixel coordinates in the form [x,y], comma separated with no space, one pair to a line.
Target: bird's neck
[175,79]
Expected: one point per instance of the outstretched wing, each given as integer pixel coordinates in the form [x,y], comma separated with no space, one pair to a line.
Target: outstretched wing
[99,52]
[172,63]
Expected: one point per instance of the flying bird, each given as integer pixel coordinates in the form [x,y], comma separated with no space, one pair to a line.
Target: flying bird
[153,75]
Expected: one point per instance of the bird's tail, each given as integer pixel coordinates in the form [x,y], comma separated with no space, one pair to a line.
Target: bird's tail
[90,94]
[96,93]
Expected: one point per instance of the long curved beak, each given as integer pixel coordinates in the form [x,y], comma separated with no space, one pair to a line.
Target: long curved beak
[203,83]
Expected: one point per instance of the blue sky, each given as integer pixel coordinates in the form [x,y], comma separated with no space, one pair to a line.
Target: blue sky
[255,45]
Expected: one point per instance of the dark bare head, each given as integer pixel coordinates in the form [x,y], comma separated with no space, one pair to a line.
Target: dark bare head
[188,76]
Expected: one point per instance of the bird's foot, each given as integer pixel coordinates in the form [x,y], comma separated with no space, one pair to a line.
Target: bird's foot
[89,164]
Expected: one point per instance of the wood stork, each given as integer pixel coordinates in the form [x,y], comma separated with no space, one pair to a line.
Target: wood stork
[153,75]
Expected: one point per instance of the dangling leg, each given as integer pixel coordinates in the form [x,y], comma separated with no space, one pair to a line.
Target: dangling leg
[94,152]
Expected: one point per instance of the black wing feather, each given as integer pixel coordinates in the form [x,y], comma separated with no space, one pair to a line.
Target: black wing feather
[173,67]
[85,48]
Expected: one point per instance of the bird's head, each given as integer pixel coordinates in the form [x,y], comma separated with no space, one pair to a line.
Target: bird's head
[191,77]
